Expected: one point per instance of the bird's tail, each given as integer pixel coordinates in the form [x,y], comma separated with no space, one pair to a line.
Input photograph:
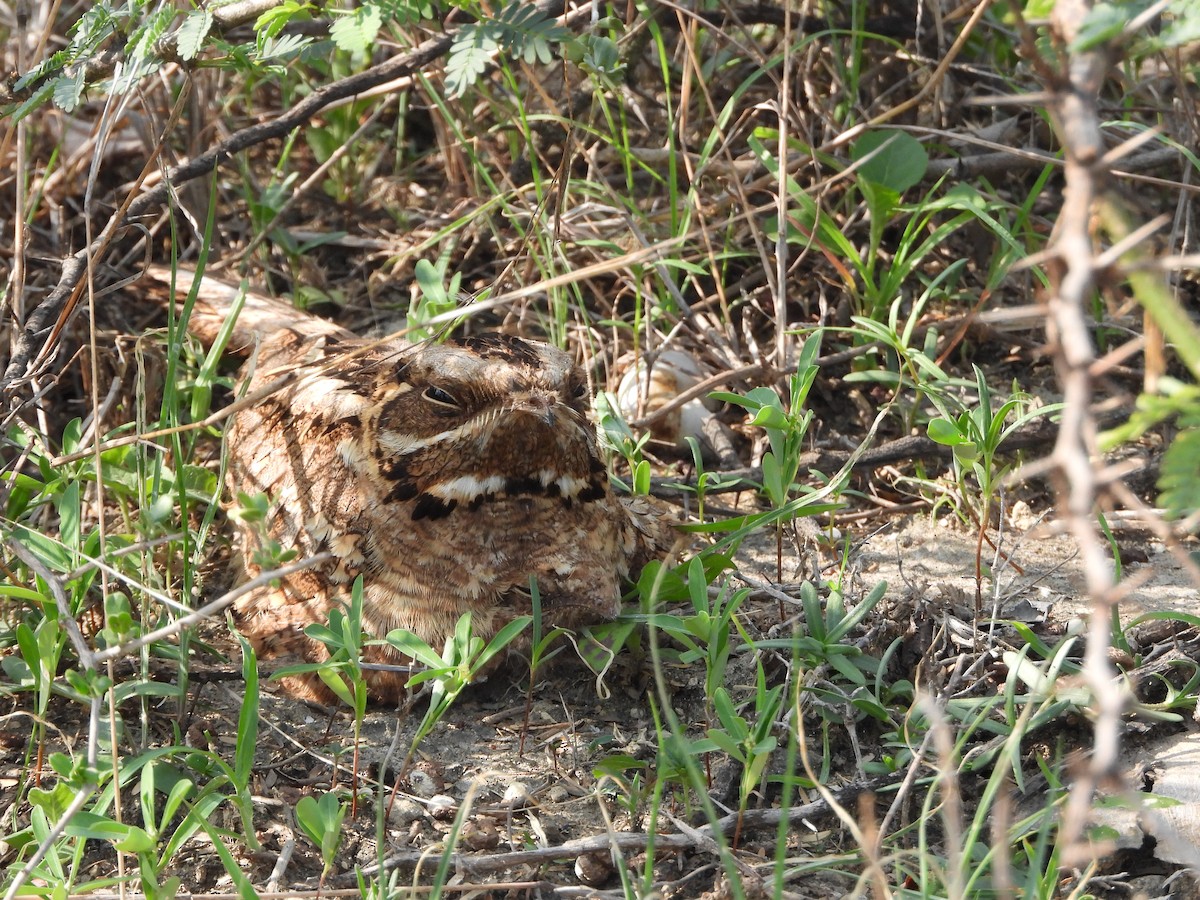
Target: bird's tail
[259,317]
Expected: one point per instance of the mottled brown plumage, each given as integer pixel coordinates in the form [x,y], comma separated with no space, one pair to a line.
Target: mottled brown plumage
[445,474]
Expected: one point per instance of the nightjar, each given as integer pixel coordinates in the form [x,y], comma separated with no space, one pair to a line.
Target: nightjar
[446,475]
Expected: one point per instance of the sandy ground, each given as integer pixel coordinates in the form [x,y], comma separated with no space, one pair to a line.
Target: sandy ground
[1042,570]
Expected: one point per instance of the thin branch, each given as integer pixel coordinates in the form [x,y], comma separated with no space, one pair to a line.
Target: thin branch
[210,609]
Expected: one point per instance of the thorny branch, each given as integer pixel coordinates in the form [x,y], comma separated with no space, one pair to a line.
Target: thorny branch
[1074,111]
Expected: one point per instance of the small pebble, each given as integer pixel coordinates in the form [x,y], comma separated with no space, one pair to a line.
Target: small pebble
[516,796]
[480,834]
[594,869]
[442,807]
[425,780]
[405,812]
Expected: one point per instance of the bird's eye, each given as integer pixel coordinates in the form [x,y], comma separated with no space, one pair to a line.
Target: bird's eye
[579,391]
[440,397]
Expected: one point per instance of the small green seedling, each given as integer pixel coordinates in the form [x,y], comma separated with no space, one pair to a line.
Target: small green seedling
[321,820]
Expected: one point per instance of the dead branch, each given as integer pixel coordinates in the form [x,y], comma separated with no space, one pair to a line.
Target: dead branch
[696,839]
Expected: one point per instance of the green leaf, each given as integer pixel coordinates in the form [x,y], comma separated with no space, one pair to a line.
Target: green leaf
[900,163]
[72,435]
[53,802]
[323,633]
[281,48]
[127,838]
[735,399]
[354,33]
[773,479]
[945,432]
[189,39]
[414,648]
[697,585]
[308,817]
[618,764]
[247,728]
[503,638]
[641,478]
[470,54]
[1103,23]
[68,89]
[881,200]
[732,722]
[321,820]
[726,744]
[1179,476]
[527,32]
[849,621]
[813,617]
[770,417]
[848,670]
[595,54]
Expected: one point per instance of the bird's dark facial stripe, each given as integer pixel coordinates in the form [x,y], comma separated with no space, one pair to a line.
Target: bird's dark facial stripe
[404,485]
[501,346]
[328,426]
[430,507]
[594,491]
[403,489]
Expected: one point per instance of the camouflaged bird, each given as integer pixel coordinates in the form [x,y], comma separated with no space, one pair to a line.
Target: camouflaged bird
[445,474]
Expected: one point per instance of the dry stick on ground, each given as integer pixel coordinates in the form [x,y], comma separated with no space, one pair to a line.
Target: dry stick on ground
[35,343]
[912,447]
[1004,320]
[699,838]
[1074,112]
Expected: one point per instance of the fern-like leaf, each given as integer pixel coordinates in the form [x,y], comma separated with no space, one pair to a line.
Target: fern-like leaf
[406,12]
[519,29]
[189,39]
[68,89]
[1179,478]
[283,47]
[527,32]
[278,17]
[470,54]
[356,31]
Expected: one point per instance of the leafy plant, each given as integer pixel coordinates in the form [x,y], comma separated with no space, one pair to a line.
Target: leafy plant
[436,297]
[342,672]
[786,427]
[976,435]
[354,30]
[889,165]
[519,29]
[321,820]
[448,673]
[751,743]
[620,439]
[705,633]
[828,626]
